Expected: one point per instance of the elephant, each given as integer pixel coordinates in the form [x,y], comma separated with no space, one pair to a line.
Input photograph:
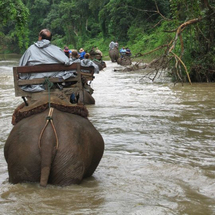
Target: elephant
[97,59]
[114,54]
[124,61]
[53,147]
[101,64]
[87,97]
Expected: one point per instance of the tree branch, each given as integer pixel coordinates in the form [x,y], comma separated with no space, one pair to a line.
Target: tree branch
[180,29]
[183,66]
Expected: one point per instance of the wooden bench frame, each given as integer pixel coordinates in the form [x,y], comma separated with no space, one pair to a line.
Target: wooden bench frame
[18,83]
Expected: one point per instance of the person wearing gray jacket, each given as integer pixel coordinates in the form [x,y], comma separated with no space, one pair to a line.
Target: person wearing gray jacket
[86,62]
[43,52]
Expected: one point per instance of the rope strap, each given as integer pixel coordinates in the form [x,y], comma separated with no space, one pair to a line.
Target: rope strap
[49,85]
[49,119]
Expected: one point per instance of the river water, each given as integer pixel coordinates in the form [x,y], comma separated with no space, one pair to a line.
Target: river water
[159,150]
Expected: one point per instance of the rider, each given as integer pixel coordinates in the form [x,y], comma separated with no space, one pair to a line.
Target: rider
[113,45]
[81,53]
[66,51]
[122,51]
[43,52]
[86,62]
[128,52]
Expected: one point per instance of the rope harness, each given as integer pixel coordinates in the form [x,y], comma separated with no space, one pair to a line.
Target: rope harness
[49,118]
[49,85]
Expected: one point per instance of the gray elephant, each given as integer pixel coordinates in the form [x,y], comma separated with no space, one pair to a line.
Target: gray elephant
[114,54]
[124,60]
[87,96]
[53,147]
[100,63]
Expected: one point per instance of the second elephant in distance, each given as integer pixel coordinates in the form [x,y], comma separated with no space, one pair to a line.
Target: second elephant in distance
[114,54]
[124,61]
[61,153]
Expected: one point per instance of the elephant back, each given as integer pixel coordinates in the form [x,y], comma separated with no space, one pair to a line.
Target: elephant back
[124,61]
[53,147]
[41,105]
[114,54]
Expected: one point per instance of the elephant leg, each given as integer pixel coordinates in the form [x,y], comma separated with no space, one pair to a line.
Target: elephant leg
[67,173]
[22,156]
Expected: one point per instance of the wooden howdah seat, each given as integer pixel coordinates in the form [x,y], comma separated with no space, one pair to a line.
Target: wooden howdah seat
[56,97]
[73,85]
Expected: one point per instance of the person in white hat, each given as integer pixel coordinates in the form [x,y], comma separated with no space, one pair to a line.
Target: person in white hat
[81,53]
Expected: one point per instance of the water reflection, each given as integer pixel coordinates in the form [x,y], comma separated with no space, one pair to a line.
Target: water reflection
[159,156]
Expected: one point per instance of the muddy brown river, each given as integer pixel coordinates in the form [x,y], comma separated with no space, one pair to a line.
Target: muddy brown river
[159,154]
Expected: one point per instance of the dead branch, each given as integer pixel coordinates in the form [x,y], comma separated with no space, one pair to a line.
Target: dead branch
[183,66]
[176,68]
[182,45]
[147,75]
[180,29]
[158,11]
[202,34]
[152,11]
[160,47]
[138,9]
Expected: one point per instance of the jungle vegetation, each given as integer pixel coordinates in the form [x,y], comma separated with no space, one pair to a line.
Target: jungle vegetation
[179,34]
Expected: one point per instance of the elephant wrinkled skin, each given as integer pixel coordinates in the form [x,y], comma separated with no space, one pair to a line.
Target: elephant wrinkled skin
[32,157]
[114,54]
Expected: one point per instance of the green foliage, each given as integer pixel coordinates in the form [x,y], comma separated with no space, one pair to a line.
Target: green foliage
[140,24]
[14,14]
[198,41]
